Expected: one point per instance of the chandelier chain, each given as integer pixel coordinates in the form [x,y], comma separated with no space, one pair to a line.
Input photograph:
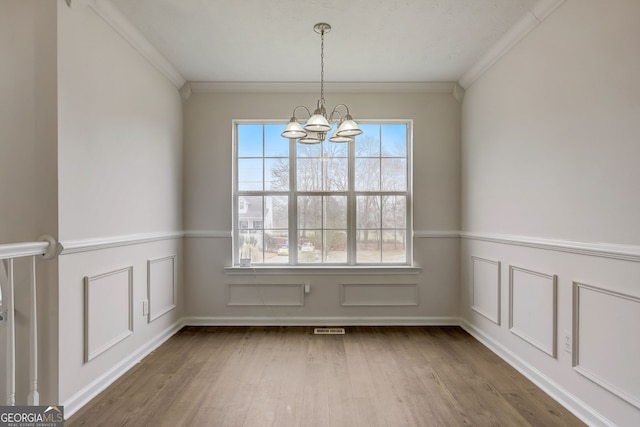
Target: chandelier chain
[319,123]
[322,68]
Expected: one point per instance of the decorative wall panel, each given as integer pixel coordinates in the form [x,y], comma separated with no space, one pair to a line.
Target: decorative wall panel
[161,286]
[486,288]
[533,308]
[289,294]
[605,339]
[108,310]
[377,294]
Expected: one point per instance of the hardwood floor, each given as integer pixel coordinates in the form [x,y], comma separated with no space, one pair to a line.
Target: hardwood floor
[286,376]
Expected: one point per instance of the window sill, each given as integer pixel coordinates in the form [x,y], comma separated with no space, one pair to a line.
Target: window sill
[297,270]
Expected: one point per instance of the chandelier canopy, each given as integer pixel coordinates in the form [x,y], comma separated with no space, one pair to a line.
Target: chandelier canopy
[315,129]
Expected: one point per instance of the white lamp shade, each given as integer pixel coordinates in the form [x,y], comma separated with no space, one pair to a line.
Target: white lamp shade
[312,138]
[294,130]
[337,138]
[348,128]
[317,123]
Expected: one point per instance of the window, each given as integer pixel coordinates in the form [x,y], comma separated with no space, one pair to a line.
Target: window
[324,204]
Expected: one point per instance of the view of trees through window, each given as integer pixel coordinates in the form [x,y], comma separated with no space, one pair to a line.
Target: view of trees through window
[329,203]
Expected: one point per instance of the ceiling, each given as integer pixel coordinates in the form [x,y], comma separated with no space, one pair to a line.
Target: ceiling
[370,40]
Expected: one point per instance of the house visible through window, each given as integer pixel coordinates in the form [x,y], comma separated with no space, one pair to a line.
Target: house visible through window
[330,203]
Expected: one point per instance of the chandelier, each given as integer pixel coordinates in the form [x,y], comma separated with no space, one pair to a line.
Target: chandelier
[318,124]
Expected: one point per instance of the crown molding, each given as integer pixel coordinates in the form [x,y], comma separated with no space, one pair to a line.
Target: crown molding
[185,92]
[458,92]
[531,19]
[76,3]
[543,8]
[112,16]
[330,87]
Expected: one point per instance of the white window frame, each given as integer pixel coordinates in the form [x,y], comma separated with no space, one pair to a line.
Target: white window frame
[351,204]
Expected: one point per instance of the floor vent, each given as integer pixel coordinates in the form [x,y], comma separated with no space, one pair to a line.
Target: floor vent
[328,331]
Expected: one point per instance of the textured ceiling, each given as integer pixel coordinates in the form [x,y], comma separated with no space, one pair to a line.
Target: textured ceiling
[370,40]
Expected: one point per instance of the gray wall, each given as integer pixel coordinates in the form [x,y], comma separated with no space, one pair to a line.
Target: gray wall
[28,167]
[91,152]
[208,173]
[550,189]
[120,204]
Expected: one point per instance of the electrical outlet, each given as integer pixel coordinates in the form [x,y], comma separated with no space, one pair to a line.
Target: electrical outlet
[145,307]
[307,288]
[566,343]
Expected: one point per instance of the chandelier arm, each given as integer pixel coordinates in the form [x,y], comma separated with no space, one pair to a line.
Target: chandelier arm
[301,106]
[335,111]
[342,105]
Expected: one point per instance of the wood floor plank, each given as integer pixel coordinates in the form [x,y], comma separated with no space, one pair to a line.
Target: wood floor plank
[264,404]
[391,385]
[363,393]
[286,376]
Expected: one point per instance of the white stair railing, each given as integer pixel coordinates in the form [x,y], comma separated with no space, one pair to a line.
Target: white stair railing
[47,249]
[8,316]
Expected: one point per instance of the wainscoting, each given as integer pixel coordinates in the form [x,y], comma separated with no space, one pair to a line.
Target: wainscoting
[162,286]
[289,294]
[108,310]
[570,311]
[599,312]
[119,299]
[379,294]
[486,288]
[573,312]
[532,308]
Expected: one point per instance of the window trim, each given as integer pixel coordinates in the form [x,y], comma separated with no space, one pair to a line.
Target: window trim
[293,264]
[325,269]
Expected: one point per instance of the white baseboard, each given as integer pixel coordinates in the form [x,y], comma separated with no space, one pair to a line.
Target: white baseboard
[81,398]
[322,321]
[558,393]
